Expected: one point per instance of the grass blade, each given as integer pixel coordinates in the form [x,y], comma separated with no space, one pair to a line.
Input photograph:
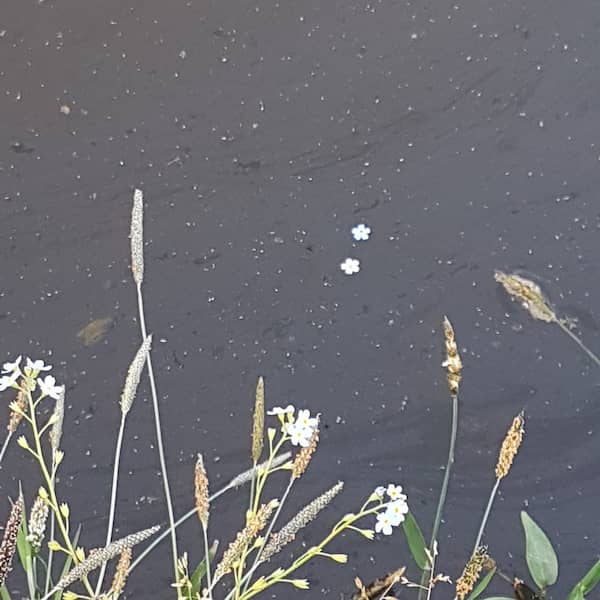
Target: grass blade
[200,570]
[587,583]
[482,585]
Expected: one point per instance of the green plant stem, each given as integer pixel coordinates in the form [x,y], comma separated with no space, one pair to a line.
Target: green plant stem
[49,479]
[234,483]
[256,562]
[443,493]
[159,441]
[113,497]
[5,445]
[50,556]
[207,561]
[486,515]
[576,339]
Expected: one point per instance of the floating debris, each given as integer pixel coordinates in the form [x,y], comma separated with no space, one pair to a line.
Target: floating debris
[350,266]
[361,232]
[95,331]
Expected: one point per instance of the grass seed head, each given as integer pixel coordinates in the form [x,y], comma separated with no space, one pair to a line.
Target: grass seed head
[9,541]
[510,446]
[133,375]
[529,294]
[453,362]
[258,422]
[57,427]
[470,575]
[18,409]
[118,583]
[137,237]
[201,491]
[303,458]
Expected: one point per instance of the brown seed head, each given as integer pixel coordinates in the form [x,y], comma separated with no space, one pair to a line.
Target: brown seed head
[118,583]
[529,294]
[510,446]
[57,428]
[470,575]
[256,523]
[303,458]
[258,423]
[201,491]
[16,413]
[137,237]
[133,375]
[9,541]
[452,363]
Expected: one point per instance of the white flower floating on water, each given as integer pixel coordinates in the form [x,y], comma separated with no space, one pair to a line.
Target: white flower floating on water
[361,232]
[350,266]
[35,366]
[48,388]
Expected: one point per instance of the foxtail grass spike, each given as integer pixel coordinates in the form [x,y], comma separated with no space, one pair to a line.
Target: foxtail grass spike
[120,577]
[36,525]
[201,491]
[452,363]
[529,294]
[510,446]
[287,533]
[57,428]
[470,575]
[244,538]
[9,541]
[137,237]
[258,422]
[103,555]
[133,375]
[18,409]
[246,476]
[305,455]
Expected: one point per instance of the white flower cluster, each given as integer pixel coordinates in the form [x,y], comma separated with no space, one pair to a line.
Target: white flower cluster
[11,371]
[301,428]
[395,511]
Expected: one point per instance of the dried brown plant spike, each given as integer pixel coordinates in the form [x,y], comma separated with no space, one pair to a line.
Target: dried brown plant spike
[309,513]
[118,583]
[470,575]
[303,458]
[17,410]
[452,363]
[510,446]
[9,541]
[374,590]
[201,491]
[256,523]
[57,428]
[529,294]
[137,237]
[258,422]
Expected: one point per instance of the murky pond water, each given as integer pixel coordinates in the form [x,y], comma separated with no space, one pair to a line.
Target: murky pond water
[463,133]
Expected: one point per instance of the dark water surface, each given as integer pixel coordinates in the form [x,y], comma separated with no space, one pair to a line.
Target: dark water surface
[464,133]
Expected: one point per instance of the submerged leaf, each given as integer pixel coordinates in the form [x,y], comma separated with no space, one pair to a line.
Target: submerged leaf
[540,555]
[94,331]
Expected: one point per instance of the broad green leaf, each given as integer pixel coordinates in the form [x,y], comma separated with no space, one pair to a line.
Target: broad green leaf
[416,542]
[539,553]
[4,593]
[586,584]
[482,585]
[23,546]
[200,570]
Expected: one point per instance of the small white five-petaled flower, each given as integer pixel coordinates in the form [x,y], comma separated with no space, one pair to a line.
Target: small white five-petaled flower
[384,524]
[36,366]
[277,410]
[12,367]
[350,266]
[48,387]
[395,492]
[9,381]
[361,232]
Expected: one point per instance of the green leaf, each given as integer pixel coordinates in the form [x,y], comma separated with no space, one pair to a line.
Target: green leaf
[482,585]
[200,570]
[4,593]
[587,583]
[23,546]
[540,555]
[416,542]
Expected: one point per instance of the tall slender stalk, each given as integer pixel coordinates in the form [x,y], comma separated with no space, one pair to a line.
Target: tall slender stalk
[137,268]
[591,355]
[486,514]
[5,445]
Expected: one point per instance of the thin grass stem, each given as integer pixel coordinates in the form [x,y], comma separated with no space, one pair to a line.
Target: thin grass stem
[576,339]
[207,561]
[5,445]
[486,515]
[159,441]
[113,498]
[50,556]
[443,492]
